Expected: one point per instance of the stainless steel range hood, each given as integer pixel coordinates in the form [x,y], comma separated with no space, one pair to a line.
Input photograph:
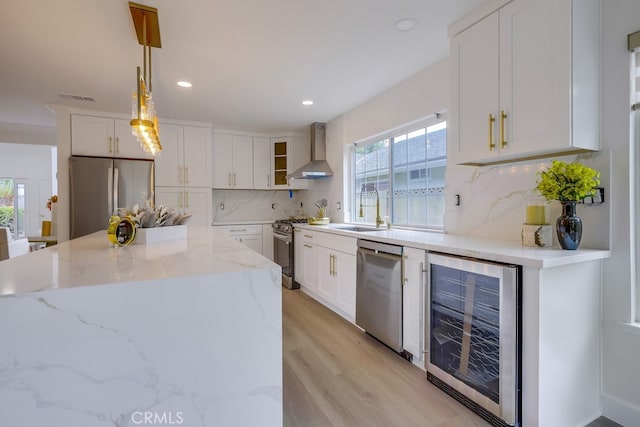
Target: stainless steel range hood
[318,166]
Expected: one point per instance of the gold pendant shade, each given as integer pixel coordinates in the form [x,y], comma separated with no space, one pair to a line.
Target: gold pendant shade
[144,122]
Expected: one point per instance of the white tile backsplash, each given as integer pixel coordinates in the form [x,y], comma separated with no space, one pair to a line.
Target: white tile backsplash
[493,199]
[254,205]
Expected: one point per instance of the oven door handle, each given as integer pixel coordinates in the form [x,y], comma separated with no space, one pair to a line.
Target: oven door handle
[285,239]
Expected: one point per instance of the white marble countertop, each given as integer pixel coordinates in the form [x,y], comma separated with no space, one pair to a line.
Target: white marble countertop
[483,248]
[92,260]
[183,332]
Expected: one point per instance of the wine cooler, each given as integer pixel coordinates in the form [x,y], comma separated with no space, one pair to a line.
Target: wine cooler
[473,334]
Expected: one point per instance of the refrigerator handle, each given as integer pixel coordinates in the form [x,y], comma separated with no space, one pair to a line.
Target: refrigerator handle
[110,190]
[116,182]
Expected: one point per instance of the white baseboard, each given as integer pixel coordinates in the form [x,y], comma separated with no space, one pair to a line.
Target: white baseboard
[620,411]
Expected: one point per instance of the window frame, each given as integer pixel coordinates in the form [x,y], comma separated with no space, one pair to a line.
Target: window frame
[634,186]
[350,190]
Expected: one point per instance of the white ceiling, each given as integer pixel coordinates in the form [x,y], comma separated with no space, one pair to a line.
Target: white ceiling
[251,62]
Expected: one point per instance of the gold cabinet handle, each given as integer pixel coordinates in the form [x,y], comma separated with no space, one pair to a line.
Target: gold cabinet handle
[404,270]
[335,270]
[491,120]
[308,246]
[179,174]
[186,175]
[335,265]
[503,116]
[110,144]
[308,236]
[229,179]
[186,198]
[117,145]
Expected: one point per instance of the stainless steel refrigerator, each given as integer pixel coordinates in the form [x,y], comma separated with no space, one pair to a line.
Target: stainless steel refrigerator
[99,186]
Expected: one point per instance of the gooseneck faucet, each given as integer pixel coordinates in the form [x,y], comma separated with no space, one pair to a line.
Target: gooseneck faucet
[372,187]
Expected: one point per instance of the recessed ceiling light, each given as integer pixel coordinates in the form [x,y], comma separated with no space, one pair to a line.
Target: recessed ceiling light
[307,102]
[405,24]
[184,84]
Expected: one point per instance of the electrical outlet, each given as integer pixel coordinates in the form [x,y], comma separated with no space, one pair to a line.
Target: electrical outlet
[597,198]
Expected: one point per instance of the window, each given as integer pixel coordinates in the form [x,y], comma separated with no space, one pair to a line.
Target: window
[12,207]
[402,172]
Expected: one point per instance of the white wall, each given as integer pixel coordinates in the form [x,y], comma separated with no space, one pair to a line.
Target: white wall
[31,163]
[421,95]
[621,350]
[492,197]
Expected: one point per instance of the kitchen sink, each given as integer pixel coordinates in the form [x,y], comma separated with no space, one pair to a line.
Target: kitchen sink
[357,228]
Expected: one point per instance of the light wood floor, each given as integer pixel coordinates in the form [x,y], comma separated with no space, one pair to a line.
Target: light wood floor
[336,375]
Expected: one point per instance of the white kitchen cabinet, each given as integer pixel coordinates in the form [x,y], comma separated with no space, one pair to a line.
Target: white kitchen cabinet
[196,201]
[325,267]
[298,254]
[232,161]
[182,173]
[344,273]
[262,163]
[267,241]
[305,268]
[413,296]
[104,137]
[286,157]
[185,156]
[520,89]
[249,235]
[325,258]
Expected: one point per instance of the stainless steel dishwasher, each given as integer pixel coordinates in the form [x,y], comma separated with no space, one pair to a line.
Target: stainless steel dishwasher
[379,292]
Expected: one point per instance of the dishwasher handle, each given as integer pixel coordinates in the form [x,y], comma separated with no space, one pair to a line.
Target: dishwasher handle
[380,254]
[377,247]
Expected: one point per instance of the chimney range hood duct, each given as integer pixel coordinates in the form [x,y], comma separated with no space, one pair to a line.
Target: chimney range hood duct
[318,166]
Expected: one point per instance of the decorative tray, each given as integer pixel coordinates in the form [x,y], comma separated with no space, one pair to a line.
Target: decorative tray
[318,221]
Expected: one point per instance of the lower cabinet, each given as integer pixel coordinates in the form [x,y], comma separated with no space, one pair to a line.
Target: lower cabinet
[267,241]
[325,267]
[194,200]
[413,297]
[305,268]
[249,235]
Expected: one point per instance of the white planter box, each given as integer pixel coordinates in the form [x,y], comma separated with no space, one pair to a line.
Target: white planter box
[145,236]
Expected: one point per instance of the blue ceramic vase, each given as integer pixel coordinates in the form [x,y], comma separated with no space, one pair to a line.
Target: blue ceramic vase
[569,227]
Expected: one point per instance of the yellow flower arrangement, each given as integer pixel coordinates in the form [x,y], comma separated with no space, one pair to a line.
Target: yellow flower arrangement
[567,182]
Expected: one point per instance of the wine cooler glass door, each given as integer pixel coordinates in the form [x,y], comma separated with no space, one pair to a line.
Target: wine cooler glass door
[473,331]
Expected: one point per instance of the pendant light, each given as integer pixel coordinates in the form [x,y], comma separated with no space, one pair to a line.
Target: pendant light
[144,122]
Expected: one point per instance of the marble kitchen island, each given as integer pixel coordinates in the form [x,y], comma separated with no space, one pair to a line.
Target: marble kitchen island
[186,332]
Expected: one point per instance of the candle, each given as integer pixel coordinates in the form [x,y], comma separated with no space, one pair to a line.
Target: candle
[46,228]
[535,215]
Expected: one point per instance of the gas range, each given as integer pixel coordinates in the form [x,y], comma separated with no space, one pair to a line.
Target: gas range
[283,249]
[285,226]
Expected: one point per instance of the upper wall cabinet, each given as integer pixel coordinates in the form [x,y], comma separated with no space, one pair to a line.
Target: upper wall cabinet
[260,163]
[185,156]
[286,157]
[262,172]
[104,137]
[525,82]
[232,161]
